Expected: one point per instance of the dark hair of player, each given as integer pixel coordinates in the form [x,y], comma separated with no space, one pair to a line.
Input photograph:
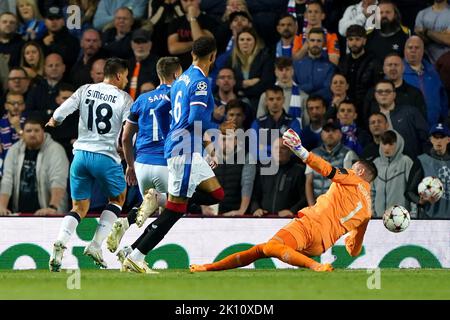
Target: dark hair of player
[370,167]
[114,66]
[204,46]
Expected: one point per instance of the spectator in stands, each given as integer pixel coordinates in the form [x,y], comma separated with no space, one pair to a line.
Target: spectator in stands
[142,67]
[406,94]
[235,17]
[378,124]
[234,6]
[41,99]
[391,36]
[297,9]
[58,40]
[8,6]
[87,11]
[316,108]
[422,75]
[275,119]
[17,82]
[66,133]
[236,175]
[117,39]
[313,73]
[433,25]
[188,28]
[161,13]
[434,163]
[394,167]
[315,14]
[107,8]
[339,88]
[282,193]
[287,29]
[333,151]
[32,59]
[31,25]
[409,10]
[294,98]
[225,83]
[91,50]
[406,120]
[358,14]
[238,21]
[361,69]
[353,136]
[252,64]
[10,41]
[97,73]
[11,124]
[235,110]
[226,87]
[35,174]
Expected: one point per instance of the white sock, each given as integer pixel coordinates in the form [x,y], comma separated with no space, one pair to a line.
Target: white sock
[162,199]
[67,228]
[136,255]
[107,219]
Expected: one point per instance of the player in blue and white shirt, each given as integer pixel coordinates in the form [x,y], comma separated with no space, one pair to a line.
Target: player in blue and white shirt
[149,169]
[192,104]
[103,109]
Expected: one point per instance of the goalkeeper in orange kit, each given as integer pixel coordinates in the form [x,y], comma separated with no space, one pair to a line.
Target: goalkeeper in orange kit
[345,207]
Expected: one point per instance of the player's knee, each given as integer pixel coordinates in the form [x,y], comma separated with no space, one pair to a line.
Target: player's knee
[270,249]
[120,199]
[218,194]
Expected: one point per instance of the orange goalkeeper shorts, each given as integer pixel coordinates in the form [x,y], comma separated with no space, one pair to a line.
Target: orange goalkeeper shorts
[306,234]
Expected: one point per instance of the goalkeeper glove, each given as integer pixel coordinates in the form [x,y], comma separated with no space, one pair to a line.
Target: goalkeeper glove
[293,142]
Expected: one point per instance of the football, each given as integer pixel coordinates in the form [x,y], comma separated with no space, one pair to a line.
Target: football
[431,186]
[396,219]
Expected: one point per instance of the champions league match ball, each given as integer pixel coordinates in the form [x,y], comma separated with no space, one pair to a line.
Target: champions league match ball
[431,186]
[396,219]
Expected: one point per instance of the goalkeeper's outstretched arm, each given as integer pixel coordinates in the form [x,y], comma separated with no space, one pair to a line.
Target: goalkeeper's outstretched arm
[293,142]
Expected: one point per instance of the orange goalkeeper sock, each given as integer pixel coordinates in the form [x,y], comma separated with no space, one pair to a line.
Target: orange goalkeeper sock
[239,259]
[286,254]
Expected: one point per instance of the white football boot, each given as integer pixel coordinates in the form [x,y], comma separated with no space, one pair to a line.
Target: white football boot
[148,207]
[119,228]
[122,254]
[137,266]
[56,257]
[96,255]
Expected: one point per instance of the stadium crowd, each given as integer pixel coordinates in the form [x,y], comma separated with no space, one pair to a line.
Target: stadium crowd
[356,79]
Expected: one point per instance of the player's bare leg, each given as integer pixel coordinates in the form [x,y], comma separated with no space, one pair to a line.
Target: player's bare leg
[236,260]
[68,227]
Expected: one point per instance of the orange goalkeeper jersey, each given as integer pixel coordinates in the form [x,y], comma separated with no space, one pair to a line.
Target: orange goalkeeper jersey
[345,207]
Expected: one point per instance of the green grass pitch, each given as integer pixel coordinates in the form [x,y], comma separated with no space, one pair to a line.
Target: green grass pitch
[282,284]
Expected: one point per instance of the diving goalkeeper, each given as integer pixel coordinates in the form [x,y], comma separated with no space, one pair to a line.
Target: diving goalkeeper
[345,207]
